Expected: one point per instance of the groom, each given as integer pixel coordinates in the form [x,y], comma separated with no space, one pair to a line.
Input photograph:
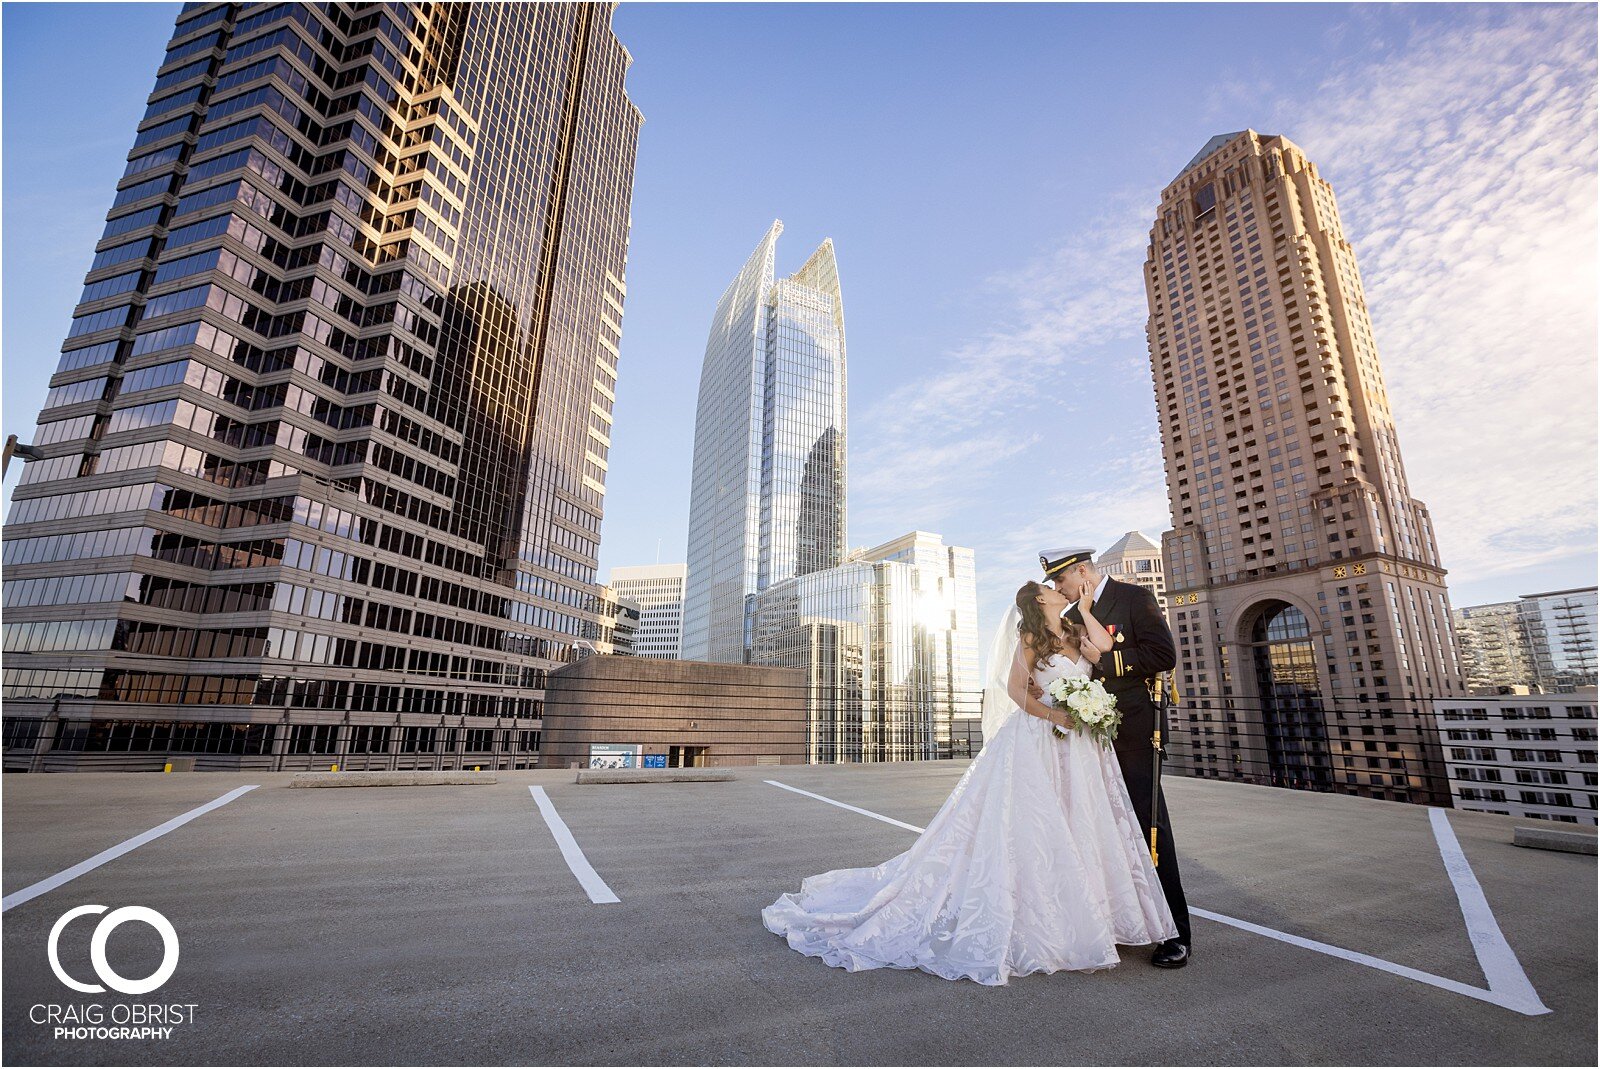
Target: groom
[1142,648]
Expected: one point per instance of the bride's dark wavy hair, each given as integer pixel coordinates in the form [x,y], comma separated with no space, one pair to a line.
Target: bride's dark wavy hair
[1034,629]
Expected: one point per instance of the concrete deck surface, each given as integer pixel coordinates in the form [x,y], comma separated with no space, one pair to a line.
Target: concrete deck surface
[442,925]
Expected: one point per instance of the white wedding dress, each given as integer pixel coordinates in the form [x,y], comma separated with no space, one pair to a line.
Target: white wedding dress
[1035,863]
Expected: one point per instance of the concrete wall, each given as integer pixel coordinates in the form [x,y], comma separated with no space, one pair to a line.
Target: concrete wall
[741,714]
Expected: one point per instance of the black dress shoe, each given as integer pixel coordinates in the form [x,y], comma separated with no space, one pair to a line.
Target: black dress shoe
[1172,954]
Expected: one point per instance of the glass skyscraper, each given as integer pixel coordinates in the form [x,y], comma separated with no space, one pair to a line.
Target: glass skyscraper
[888,642]
[324,456]
[1560,627]
[1543,642]
[767,500]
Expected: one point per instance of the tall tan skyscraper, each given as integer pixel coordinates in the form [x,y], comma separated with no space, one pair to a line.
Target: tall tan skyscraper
[1306,591]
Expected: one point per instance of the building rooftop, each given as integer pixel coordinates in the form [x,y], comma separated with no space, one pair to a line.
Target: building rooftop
[1133,541]
[446,924]
[626,572]
[1208,148]
[1558,593]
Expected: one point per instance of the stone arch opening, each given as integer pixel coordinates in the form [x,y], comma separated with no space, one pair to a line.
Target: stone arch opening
[1283,647]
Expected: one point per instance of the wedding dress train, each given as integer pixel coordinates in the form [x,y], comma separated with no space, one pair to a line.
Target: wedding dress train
[1035,863]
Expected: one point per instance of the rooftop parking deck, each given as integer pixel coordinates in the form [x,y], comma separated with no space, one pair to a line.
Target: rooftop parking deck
[457,924]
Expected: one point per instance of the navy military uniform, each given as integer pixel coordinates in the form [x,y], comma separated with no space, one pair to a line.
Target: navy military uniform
[1142,647]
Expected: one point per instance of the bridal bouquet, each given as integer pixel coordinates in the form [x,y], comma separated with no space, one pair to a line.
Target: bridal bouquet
[1090,704]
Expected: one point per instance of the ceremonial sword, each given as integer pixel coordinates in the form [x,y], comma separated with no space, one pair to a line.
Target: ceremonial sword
[1166,683]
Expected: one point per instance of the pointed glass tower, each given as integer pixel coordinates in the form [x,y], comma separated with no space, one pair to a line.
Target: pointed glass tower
[768,493]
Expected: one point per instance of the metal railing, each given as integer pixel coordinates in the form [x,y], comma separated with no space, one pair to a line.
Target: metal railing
[1396,748]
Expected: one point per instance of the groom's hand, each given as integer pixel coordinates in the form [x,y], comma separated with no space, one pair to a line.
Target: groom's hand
[1034,690]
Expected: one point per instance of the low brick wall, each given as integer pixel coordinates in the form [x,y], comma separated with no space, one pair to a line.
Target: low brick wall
[713,714]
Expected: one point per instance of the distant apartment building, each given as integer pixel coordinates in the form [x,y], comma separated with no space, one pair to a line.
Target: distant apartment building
[767,491]
[658,591]
[617,625]
[1525,755]
[1494,647]
[886,637]
[1135,558]
[1544,643]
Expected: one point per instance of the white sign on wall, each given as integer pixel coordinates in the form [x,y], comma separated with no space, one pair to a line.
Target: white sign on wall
[615,754]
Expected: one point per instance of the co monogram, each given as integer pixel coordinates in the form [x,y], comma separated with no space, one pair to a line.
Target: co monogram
[97,949]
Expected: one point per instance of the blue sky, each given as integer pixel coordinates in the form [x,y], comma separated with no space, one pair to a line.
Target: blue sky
[988,174]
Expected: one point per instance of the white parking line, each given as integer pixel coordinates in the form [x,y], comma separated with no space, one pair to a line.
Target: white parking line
[1368,960]
[853,809]
[50,883]
[1495,956]
[1509,987]
[593,885]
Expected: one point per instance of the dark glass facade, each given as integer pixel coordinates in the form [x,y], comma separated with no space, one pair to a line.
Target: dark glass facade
[324,457]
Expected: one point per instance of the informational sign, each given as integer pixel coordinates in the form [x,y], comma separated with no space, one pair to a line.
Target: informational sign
[655,760]
[614,754]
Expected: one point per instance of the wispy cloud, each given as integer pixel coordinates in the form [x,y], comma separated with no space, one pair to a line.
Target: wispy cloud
[935,444]
[1464,162]
[1039,433]
[1465,168]
[1089,504]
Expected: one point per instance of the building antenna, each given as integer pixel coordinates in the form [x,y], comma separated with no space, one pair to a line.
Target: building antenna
[658,551]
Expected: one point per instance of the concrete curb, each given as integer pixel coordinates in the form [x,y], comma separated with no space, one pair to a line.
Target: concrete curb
[654,775]
[1568,842]
[388,779]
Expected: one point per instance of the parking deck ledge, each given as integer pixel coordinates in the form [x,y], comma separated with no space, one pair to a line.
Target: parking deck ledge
[654,775]
[388,779]
[1570,842]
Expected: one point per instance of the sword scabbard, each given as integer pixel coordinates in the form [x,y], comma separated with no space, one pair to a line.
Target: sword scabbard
[1155,789]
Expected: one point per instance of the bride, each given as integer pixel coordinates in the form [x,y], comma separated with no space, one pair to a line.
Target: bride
[1034,863]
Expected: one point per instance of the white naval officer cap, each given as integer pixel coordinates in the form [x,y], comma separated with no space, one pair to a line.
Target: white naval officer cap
[1056,561]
